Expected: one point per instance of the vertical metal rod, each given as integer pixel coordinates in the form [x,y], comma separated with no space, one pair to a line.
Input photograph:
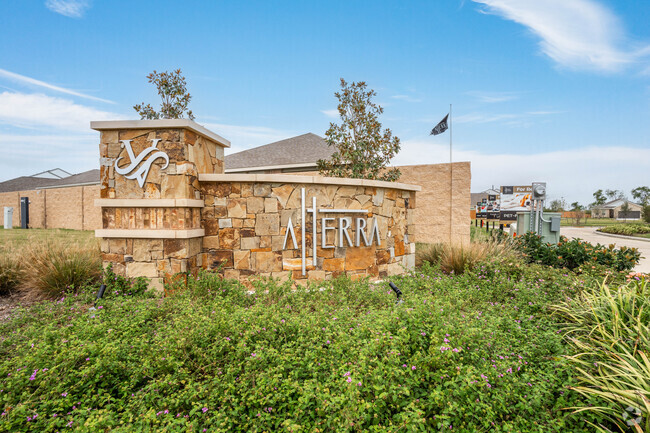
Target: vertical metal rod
[302,196]
[451,180]
[313,231]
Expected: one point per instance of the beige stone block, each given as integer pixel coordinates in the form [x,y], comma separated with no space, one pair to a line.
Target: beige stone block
[270,205]
[141,269]
[378,197]
[268,261]
[238,223]
[277,241]
[109,137]
[255,205]
[242,259]
[295,264]
[175,186]
[316,275]
[261,189]
[250,243]
[395,268]
[117,246]
[249,223]
[236,208]
[267,224]
[283,193]
[225,223]
[359,258]
[281,276]
[211,242]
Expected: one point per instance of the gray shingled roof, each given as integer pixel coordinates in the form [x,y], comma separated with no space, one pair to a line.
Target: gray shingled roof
[306,148]
[26,183]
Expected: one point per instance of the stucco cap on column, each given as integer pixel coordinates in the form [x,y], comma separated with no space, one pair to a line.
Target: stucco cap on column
[160,124]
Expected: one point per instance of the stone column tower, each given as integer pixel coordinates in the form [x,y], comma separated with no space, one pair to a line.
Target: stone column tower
[150,196]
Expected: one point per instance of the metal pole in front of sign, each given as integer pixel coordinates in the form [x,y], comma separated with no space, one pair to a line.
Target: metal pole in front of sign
[451,179]
[313,231]
[302,196]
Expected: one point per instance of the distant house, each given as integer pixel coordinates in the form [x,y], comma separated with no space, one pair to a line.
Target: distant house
[614,209]
[483,196]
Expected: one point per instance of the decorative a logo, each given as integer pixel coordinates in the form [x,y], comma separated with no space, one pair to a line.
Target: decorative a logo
[130,172]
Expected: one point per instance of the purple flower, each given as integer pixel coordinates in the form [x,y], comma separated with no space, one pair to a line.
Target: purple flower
[65,394]
[413,368]
[205,409]
[349,379]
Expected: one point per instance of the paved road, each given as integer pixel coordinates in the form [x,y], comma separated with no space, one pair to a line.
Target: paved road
[590,234]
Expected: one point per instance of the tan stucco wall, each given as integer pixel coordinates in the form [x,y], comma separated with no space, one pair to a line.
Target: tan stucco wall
[68,208]
[433,222]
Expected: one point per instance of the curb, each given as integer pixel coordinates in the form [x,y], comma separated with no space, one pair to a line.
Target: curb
[623,236]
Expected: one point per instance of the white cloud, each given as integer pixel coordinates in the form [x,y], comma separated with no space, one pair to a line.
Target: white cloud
[575,33]
[492,97]
[406,98]
[334,113]
[573,174]
[68,8]
[37,111]
[31,81]
[24,155]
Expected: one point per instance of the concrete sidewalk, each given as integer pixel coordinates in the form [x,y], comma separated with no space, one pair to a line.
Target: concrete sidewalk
[590,234]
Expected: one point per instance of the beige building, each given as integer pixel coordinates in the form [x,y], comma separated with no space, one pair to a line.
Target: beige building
[615,209]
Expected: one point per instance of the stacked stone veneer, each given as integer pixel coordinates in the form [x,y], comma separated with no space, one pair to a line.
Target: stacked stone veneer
[155,230]
[246,222]
[189,215]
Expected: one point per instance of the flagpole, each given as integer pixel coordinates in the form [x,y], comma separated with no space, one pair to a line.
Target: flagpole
[451,179]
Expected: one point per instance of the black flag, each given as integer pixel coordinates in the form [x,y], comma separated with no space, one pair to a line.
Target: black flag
[440,127]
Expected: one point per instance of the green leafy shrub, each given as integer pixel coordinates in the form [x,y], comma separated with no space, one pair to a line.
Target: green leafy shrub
[473,352]
[610,328]
[626,229]
[575,253]
[122,286]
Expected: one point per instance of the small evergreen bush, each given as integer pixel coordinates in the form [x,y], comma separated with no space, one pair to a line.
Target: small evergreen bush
[575,253]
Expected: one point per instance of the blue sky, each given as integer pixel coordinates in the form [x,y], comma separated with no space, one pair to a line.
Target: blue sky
[553,90]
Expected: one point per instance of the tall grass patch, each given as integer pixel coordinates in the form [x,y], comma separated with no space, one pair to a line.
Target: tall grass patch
[610,327]
[44,264]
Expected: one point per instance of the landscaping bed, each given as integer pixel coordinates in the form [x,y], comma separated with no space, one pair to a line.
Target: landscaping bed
[633,229]
[496,344]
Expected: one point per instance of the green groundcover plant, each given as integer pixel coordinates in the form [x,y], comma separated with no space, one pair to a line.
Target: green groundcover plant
[572,254]
[627,229]
[474,352]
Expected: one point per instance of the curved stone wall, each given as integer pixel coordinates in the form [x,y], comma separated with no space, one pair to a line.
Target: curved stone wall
[255,225]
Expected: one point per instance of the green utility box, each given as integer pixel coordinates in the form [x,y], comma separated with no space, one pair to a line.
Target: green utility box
[550,228]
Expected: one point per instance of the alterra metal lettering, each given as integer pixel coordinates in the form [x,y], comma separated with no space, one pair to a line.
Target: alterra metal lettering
[140,174]
[344,228]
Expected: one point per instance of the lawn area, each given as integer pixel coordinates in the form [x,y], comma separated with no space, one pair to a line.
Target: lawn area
[590,222]
[21,235]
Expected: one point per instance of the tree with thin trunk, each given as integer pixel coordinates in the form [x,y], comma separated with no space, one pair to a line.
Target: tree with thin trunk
[172,89]
[363,150]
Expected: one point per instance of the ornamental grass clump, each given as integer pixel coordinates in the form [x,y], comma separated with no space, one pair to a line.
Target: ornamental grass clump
[56,265]
[458,258]
[610,328]
[10,272]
